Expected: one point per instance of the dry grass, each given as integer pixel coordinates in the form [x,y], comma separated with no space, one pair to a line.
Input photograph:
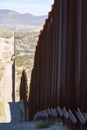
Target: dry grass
[25,44]
[2,111]
[5,33]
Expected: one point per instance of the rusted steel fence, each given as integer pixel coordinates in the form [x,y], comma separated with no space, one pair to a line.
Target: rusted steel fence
[24,92]
[59,76]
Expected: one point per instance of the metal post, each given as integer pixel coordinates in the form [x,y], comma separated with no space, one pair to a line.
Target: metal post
[13,71]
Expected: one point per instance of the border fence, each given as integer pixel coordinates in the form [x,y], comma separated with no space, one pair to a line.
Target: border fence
[59,76]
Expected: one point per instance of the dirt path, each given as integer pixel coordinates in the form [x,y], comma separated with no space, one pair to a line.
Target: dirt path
[6,83]
[6,51]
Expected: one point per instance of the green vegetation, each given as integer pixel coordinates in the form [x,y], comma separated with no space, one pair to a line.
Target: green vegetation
[44,124]
[5,33]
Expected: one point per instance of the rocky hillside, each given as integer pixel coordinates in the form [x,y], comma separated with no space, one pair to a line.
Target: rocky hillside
[20,22]
[25,45]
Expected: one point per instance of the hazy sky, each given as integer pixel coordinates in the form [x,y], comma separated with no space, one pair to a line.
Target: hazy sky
[36,7]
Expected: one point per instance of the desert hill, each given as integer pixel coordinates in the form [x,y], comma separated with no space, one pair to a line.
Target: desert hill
[20,22]
[25,45]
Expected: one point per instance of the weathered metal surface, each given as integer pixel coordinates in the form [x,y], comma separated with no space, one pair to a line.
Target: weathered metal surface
[24,92]
[59,76]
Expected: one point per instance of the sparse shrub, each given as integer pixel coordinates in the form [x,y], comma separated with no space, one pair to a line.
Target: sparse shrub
[5,33]
[44,124]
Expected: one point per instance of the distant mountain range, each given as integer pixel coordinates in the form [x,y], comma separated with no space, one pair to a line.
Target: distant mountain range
[20,22]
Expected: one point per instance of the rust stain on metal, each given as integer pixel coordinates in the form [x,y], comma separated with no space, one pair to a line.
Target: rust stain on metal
[59,76]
